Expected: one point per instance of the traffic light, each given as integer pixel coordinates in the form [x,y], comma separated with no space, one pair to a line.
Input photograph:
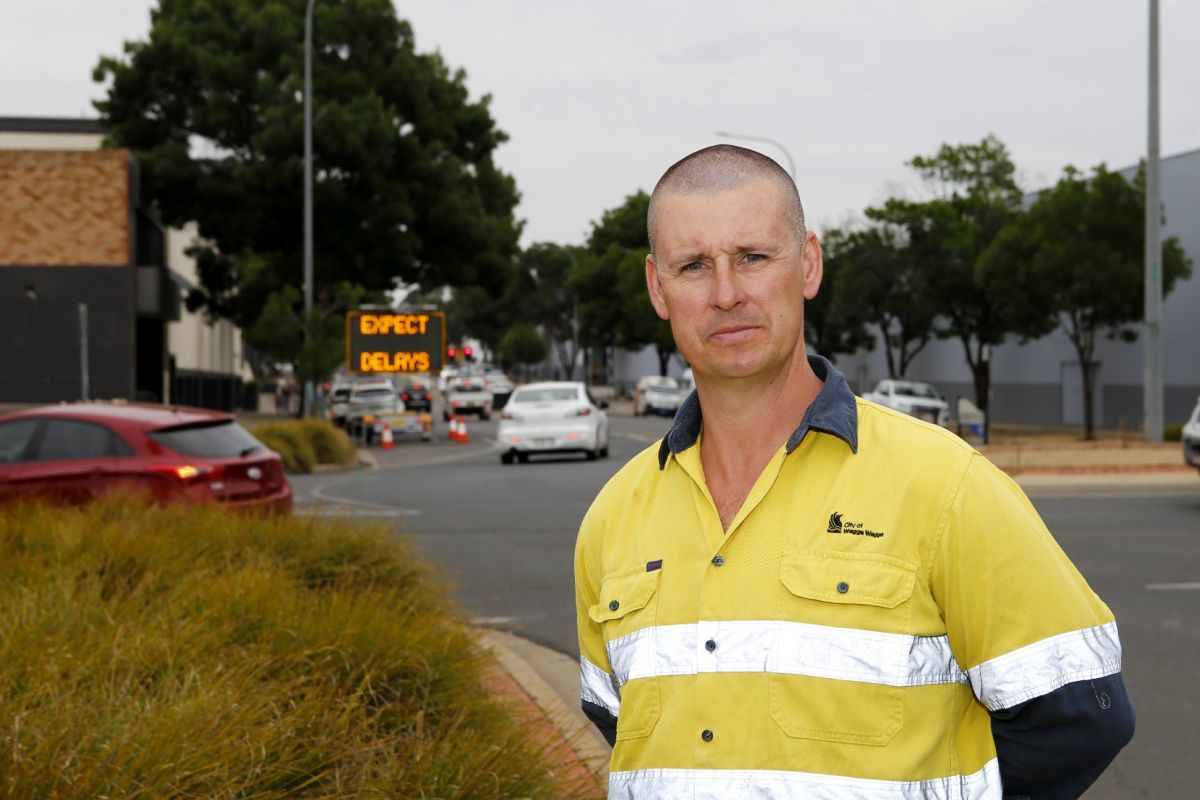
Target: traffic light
[451,352]
[467,352]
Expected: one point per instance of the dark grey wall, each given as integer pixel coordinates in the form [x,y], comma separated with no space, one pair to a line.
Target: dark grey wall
[1123,405]
[39,339]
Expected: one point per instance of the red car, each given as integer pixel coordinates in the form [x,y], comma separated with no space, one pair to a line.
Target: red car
[74,453]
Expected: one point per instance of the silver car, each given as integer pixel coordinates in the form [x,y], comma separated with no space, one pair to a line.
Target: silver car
[1191,438]
[552,417]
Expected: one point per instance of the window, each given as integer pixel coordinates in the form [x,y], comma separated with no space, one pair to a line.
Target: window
[14,440]
[219,439]
[549,395]
[68,438]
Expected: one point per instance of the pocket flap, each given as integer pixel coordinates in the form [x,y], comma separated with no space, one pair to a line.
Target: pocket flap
[624,592]
[851,578]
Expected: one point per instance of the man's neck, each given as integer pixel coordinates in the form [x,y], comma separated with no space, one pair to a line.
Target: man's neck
[744,422]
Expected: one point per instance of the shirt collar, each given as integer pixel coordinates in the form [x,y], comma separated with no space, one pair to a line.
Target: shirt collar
[833,411]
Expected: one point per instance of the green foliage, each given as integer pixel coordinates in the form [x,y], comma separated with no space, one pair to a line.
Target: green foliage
[193,652]
[1076,260]
[330,443]
[523,345]
[610,281]
[1173,432]
[405,186]
[288,439]
[975,195]
[552,299]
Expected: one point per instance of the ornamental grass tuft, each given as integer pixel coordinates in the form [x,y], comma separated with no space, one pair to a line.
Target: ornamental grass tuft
[193,652]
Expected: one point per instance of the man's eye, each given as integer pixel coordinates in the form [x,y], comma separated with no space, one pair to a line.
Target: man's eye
[694,266]
[754,257]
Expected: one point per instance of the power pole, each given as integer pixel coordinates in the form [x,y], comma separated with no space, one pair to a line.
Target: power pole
[308,190]
[1152,388]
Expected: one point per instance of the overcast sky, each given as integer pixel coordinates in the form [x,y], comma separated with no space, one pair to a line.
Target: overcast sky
[599,98]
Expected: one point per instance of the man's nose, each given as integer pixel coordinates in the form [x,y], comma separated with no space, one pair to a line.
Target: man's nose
[727,291]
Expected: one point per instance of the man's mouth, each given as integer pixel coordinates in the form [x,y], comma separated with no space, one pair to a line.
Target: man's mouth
[732,333]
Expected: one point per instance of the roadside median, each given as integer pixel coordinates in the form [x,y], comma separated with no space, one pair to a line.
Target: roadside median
[192,651]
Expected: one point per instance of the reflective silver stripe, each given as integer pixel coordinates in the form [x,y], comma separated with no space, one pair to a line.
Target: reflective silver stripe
[1042,667]
[735,784]
[599,687]
[790,648]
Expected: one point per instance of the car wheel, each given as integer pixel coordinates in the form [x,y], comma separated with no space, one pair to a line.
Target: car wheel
[484,415]
[506,458]
[592,455]
[523,458]
[604,451]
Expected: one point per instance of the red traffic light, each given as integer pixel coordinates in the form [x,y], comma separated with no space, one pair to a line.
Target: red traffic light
[467,351]
[451,351]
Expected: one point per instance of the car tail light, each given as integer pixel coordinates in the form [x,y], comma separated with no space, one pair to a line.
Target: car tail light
[404,397]
[583,412]
[188,474]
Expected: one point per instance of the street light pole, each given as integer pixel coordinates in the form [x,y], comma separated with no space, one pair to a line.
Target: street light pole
[1152,388]
[308,203]
[791,164]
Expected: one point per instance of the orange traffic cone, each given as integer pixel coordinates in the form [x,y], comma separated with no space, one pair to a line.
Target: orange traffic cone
[452,431]
[386,441]
[463,438]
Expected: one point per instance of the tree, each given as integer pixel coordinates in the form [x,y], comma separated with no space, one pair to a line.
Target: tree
[610,280]
[548,266]
[879,282]
[1079,252]
[523,345]
[405,187]
[974,194]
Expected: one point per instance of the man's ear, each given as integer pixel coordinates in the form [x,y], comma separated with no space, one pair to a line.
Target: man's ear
[813,264]
[654,287]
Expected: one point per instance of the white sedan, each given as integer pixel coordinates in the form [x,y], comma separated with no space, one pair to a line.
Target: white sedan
[555,417]
[914,398]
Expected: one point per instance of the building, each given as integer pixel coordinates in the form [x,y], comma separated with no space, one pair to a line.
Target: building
[91,286]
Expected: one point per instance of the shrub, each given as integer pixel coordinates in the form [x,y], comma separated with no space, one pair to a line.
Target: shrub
[287,439]
[329,442]
[1173,433]
[193,652]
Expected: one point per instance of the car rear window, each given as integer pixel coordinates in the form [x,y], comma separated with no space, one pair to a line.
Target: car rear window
[220,439]
[544,395]
[341,394]
[370,394]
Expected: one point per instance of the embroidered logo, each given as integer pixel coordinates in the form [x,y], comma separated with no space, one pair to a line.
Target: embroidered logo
[839,525]
[651,566]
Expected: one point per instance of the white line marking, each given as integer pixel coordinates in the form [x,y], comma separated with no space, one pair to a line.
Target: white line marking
[1170,587]
[344,511]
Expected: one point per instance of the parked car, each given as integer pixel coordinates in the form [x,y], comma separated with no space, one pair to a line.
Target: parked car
[74,453]
[501,387]
[1191,438]
[914,398]
[655,394]
[416,396]
[468,393]
[337,402]
[368,400]
[552,417]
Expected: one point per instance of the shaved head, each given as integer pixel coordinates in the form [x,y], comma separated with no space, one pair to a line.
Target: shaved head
[721,168]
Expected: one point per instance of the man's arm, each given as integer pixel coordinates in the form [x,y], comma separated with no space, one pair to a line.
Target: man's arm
[1041,649]
[598,690]
[1056,745]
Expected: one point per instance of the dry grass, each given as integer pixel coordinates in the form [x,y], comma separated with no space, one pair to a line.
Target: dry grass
[189,652]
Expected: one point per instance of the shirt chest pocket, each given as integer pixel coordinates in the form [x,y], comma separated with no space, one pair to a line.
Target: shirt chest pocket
[842,646]
[628,601]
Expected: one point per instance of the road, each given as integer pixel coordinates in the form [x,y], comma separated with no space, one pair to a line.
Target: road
[504,536]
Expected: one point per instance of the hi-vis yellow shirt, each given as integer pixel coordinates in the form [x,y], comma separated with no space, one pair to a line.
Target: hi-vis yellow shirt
[882,589]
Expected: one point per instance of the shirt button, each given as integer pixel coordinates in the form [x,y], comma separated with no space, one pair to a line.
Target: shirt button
[706,735]
[614,605]
[718,560]
[842,588]
[710,645]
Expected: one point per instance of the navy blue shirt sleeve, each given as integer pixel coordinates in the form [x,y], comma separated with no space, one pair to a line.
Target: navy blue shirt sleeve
[603,720]
[1055,746]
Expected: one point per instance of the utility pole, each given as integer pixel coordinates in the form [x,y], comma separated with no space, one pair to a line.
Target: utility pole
[1152,375]
[308,203]
[84,388]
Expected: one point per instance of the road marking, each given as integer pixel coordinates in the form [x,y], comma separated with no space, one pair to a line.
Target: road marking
[343,511]
[491,622]
[639,437]
[1171,587]
[362,505]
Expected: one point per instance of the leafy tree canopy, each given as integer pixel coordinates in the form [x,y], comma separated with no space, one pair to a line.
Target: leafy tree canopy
[405,186]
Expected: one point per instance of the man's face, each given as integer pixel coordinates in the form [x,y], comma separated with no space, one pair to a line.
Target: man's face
[731,274]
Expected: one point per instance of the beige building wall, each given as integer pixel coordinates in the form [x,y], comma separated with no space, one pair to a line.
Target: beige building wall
[196,343]
[20,140]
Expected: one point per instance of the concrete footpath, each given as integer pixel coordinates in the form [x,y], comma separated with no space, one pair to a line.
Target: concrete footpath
[1042,465]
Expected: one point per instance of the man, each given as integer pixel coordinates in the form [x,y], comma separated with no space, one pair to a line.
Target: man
[799,593]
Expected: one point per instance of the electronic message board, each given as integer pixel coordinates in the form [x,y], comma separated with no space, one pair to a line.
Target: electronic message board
[395,341]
